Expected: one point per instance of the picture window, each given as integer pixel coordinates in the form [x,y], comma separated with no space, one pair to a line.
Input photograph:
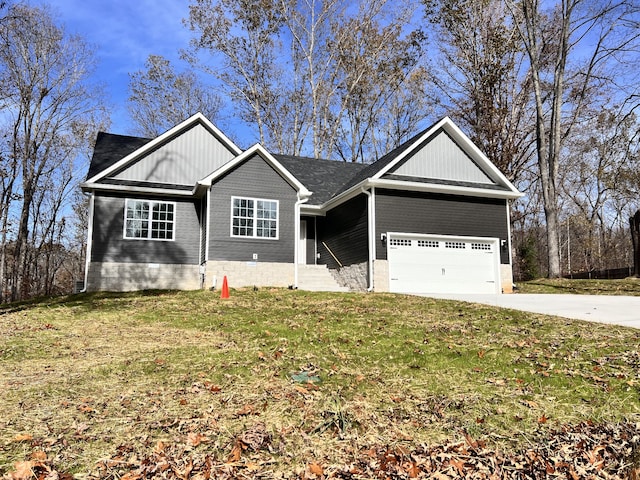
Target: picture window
[254,218]
[149,220]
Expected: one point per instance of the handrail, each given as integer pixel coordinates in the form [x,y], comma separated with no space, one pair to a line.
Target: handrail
[330,252]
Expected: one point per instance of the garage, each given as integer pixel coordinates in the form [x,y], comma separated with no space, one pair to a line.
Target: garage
[442,264]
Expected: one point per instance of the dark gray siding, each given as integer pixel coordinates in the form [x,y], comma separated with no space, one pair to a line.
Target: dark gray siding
[440,215]
[108,244]
[255,179]
[344,230]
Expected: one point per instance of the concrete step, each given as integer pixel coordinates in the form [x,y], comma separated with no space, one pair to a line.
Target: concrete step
[317,278]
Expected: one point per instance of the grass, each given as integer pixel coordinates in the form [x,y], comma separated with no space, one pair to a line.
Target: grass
[88,377]
[628,286]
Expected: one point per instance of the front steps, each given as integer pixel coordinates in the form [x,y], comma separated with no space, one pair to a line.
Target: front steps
[317,278]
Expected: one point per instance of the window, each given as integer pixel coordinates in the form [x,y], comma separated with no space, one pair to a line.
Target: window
[149,220]
[252,217]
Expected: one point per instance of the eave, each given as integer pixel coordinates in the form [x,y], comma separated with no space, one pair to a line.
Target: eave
[418,187]
[93,186]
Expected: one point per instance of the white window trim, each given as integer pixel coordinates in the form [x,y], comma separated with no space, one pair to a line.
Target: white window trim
[255,223]
[150,202]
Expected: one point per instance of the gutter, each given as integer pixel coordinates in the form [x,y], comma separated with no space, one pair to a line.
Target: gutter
[87,259]
[418,187]
[147,190]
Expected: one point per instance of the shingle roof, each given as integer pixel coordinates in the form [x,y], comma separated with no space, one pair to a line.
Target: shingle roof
[383,161]
[111,148]
[325,178]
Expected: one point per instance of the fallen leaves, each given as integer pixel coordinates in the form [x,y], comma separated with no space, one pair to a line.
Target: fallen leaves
[37,467]
[585,450]
[194,439]
[22,437]
[316,469]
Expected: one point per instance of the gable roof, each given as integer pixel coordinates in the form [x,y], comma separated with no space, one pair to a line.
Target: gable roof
[438,159]
[257,149]
[151,145]
[373,168]
[381,173]
[110,148]
[463,142]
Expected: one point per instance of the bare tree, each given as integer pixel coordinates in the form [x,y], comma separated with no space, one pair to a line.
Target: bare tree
[481,79]
[374,61]
[403,113]
[592,179]
[563,85]
[160,98]
[312,75]
[242,39]
[48,109]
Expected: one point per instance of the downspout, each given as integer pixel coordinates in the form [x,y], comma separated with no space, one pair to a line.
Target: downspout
[87,259]
[296,243]
[509,247]
[371,234]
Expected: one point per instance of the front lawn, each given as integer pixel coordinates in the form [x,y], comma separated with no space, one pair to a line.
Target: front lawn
[177,384]
[627,286]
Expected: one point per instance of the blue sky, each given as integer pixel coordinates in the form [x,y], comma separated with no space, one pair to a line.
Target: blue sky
[124,33]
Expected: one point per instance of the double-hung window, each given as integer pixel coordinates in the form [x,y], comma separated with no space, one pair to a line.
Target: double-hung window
[254,217]
[149,220]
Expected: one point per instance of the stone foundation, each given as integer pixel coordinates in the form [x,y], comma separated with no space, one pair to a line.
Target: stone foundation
[249,274]
[125,277]
[354,277]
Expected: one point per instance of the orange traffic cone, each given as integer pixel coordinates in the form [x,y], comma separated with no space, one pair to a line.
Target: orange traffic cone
[225,288]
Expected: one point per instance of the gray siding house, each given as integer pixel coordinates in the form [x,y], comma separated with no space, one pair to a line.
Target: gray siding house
[189,207]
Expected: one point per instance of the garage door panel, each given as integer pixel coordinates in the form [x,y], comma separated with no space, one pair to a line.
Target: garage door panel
[422,264]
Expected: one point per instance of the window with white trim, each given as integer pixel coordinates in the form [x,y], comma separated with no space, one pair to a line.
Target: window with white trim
[254,217]
[149,220]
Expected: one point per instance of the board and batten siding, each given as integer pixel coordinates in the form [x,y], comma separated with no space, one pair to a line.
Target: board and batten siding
[184,160]
[109,244]
[437,214]
[441,157]
[254,178]
[344,230]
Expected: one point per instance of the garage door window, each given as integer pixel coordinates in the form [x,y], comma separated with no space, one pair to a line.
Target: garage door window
[454,245]
[480,246]
[428,244]
[400,242]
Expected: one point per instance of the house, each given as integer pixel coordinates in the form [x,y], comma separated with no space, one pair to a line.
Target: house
[187,208]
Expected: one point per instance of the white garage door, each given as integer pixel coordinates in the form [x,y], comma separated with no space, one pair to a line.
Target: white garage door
[442,264]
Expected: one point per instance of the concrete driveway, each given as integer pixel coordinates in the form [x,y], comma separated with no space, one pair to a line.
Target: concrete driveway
[618,310]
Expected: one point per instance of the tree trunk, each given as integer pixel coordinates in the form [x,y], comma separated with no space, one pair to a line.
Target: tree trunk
[635,238]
